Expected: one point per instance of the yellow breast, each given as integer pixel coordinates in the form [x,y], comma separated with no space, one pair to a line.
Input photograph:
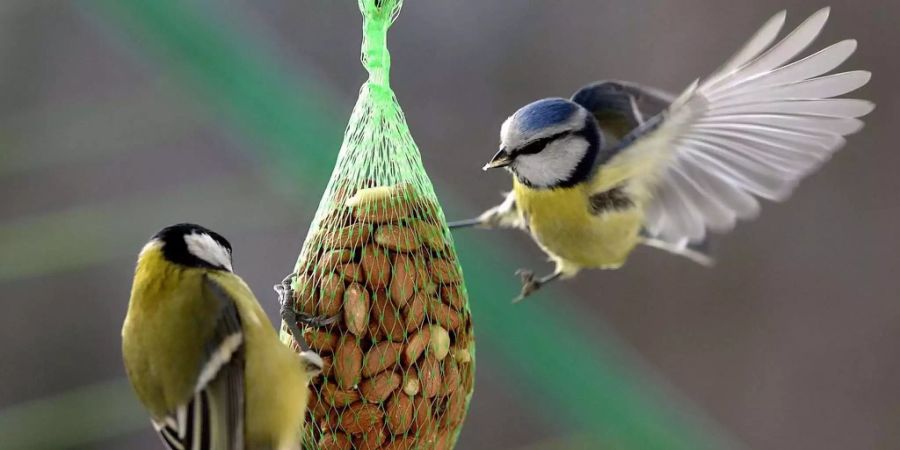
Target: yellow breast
[561,222]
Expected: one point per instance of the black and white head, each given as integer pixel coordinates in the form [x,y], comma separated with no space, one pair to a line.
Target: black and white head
[191,245]
[549,143]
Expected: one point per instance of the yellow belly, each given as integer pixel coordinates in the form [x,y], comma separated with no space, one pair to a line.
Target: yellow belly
[561,222]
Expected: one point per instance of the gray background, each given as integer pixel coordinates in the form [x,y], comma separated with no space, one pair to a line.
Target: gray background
[791,342]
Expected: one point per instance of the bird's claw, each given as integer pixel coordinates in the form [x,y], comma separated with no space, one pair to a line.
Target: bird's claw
[526,275]
[285,292]
[292,319]
[291,316]
[317,321]
[529,284]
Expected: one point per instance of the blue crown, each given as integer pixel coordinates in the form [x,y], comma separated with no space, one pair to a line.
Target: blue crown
[544,113]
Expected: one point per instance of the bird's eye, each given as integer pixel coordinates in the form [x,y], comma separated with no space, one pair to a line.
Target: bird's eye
[538,145]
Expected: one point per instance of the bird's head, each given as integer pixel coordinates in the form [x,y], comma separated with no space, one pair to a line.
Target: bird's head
[549,143]
[190,245]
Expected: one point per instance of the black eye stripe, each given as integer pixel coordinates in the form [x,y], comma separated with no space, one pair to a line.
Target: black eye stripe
[538,145]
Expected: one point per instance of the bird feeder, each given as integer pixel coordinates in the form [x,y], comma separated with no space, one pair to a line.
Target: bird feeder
[378,287]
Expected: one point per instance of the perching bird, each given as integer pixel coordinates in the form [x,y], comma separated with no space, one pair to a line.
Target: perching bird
[620,164]
[202,355]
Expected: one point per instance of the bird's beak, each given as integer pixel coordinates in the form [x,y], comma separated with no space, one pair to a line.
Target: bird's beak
[501,159]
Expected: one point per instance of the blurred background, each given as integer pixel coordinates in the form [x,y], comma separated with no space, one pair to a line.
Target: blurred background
[119,117]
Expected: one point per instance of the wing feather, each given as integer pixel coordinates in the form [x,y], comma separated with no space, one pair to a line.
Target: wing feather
[753,129]
[814,65]
[836,107]
[213,418]
[621,106]
[776,55]
[756,45]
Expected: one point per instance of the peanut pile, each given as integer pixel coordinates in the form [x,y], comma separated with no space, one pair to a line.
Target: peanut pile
[399,366]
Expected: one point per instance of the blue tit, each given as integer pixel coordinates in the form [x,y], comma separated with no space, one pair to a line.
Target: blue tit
[620,164]
[203,357]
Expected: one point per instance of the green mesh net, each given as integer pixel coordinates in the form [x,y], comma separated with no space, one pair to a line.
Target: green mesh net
[379,271]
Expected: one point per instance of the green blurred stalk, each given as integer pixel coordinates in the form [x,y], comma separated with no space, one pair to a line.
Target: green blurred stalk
[235,76]
[572,372]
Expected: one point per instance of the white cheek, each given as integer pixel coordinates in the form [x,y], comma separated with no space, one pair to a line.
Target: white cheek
[554,164]
[206,248]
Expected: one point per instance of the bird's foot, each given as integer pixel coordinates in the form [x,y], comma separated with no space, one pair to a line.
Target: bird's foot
[468,223]
[285,294]
[291,316]
[293,319]
[529,284]
[317,321]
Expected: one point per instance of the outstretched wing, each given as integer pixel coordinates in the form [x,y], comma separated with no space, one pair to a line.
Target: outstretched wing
[621,106]
[753,129]
[213,419]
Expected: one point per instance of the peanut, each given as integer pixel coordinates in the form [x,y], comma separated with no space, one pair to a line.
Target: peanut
[376,264]
[414,312]
[378,388]
[370,440]
[451,380]
[360,418]
[352,272]
[337,397]
[444,440]
[333,258]
[415,346]
[388,320]
[356,309]
[351,236]
[411,384]
[431,234]
[402,443]
[331,294]
[348,362]
[430,376]
[380,357]
[335,441]
[396,237]
[444,315]
[422,419]
[320,340]
[452,296]
[443,271]
[378,204]
[439,342]
[456,409]
[305,295]
[399,413]
[403,279]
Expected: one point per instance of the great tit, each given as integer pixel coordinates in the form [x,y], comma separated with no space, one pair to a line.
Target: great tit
[203,357]
[620,164]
